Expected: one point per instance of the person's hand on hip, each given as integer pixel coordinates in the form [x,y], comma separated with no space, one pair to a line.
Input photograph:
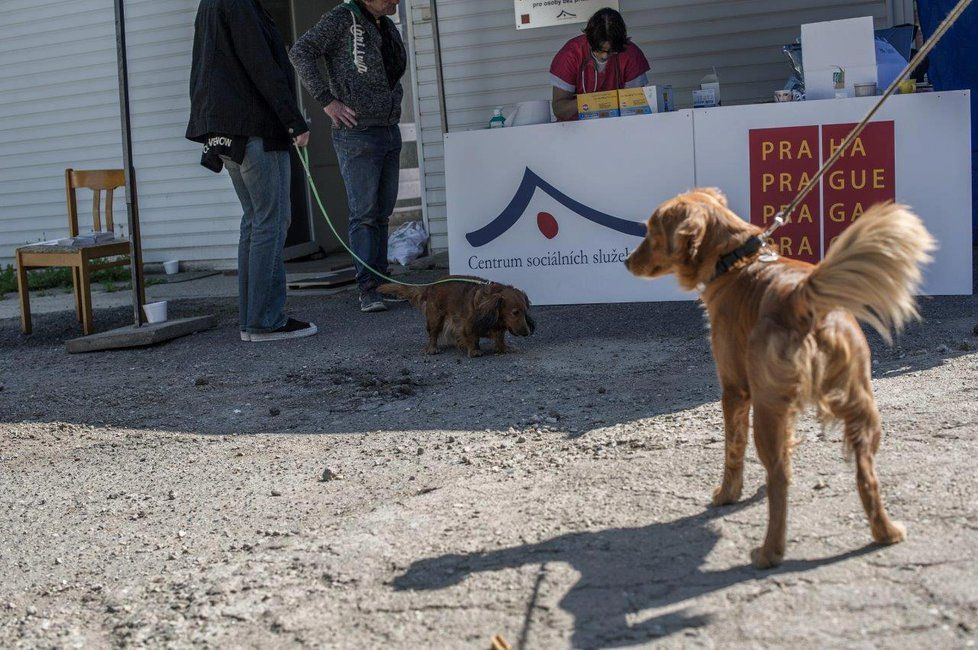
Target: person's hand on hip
[340,113]
[302,140]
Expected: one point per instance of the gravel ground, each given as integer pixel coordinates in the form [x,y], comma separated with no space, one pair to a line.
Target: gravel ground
[347,492]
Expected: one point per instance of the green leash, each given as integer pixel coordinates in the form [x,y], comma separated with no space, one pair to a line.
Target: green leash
[304,158]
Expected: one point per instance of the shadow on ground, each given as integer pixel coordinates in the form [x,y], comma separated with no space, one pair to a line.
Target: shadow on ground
[624,573]
[587,367]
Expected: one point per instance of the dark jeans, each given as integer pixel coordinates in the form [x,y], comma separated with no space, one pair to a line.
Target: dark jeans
[261,182]
[370,161]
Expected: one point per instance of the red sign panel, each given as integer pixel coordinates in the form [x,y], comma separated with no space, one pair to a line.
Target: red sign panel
[864,175]
[782,161]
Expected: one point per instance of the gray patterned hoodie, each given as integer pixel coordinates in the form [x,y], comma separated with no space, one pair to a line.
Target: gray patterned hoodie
[352,45]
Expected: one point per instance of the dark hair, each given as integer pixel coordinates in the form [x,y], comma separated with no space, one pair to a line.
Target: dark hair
[607,26]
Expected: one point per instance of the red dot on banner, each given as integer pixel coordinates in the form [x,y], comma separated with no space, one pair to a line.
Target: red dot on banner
[547,225]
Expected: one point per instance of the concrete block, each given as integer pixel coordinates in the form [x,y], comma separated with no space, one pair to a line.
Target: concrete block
[138,337]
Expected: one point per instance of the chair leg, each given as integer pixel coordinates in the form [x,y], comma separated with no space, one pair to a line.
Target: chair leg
[86,297]
[25,299]
[76,287]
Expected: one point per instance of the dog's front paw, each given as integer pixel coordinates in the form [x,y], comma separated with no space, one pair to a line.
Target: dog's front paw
[761,558]
[475,353]
[431,349]
[893,533]
[725,496]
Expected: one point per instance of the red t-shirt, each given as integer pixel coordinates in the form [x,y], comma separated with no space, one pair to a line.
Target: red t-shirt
[574,68]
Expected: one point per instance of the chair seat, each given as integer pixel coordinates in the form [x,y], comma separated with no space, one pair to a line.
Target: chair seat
[74,248]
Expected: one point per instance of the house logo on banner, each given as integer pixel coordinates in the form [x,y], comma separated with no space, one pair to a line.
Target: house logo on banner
[783,160]
[548,226]
[546,223]
[545,13]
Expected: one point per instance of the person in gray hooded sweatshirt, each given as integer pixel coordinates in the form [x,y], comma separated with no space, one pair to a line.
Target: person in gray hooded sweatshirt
[361,93]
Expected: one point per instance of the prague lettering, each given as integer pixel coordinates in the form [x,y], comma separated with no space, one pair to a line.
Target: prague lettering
[784,160]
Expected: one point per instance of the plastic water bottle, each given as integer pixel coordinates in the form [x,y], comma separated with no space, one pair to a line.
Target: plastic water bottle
[497,121]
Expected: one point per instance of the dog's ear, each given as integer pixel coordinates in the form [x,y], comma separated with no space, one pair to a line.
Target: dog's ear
[530,323]
[487,309]
[688,236]
[720,197]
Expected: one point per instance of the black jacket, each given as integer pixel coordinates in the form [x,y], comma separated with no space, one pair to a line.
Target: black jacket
[241,82]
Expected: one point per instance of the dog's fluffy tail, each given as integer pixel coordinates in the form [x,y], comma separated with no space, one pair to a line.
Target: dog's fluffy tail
[414,295]
[873,269]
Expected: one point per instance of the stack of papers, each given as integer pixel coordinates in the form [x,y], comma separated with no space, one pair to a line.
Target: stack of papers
[90,239]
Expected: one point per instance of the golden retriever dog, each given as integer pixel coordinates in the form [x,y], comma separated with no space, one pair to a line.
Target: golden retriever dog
[785,335]
[466,312]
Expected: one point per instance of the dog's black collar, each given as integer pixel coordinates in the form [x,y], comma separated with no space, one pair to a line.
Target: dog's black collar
[746,249]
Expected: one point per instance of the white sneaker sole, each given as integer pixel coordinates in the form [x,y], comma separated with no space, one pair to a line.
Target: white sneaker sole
[284,336]
[245,336]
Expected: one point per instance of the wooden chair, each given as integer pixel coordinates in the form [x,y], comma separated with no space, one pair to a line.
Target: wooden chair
[81,259]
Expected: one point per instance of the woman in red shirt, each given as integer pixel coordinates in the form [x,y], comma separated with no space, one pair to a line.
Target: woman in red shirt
[602,58]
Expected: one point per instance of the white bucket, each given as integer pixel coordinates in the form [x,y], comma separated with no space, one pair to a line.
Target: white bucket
[155,312]
[172,267]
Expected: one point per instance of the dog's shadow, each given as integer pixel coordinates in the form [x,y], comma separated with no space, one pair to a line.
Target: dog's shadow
[627,576]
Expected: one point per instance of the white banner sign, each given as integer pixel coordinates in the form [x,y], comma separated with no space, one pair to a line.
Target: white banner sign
[555,208]
[544,13]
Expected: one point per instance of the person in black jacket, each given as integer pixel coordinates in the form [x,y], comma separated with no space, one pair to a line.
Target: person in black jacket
[243,109]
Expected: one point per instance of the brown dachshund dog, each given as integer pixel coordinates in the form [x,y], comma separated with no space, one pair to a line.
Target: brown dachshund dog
[467,312]
[784,335]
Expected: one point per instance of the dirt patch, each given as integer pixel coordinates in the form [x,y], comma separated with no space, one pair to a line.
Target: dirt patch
[347,491]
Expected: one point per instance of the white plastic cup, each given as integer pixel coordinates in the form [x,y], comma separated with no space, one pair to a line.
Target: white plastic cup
[155,312]
[172,267]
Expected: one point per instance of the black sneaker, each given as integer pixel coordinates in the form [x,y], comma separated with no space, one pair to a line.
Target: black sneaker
[293,329]
[370,301]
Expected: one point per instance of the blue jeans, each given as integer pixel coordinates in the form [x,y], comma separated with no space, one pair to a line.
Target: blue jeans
[370,163]
[261,182]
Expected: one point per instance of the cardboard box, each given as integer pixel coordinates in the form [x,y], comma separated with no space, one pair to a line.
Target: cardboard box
[593,106]
[632,101]
[659,98]
[643,101]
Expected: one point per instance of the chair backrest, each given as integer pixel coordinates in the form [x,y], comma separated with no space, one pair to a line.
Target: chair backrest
[97,180]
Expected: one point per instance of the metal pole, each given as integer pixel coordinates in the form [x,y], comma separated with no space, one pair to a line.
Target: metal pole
[436,38]
[132,202]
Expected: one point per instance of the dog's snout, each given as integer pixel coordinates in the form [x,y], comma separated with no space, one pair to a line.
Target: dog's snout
[531,325]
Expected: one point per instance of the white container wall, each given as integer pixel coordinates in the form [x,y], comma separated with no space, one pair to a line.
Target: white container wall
[59,107]
[488,63]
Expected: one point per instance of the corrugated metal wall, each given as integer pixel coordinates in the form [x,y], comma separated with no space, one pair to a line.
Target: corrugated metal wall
[186,211]
[59,107]
[487,63]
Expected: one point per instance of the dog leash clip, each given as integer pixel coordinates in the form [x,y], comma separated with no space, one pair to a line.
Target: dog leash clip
[778,222]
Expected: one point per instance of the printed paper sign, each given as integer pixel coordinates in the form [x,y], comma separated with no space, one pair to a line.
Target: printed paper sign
[545,13]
